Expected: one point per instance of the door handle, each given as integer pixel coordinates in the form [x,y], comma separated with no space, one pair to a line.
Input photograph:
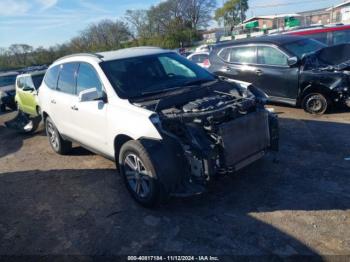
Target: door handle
[259,72]
[74,108]
[53,101]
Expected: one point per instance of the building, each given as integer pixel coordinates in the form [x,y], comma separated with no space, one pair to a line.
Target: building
[340,13]
[314,17]
[268,22]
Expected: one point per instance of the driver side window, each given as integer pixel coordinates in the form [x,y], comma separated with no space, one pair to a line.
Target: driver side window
[271,56]
[87,78]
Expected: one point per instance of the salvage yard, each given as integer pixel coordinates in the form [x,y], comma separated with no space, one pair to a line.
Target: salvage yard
[77,204]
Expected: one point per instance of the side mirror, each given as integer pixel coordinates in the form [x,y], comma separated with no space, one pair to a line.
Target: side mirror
[293,61]
[87,95]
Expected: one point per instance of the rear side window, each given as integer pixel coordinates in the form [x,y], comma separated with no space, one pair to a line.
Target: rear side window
[67,78]
[271,56]
[241,55]
[341,37]
[321,37]
[51,77]
[87,78]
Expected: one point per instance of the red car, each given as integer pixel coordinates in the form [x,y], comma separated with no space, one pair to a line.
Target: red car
[332,35]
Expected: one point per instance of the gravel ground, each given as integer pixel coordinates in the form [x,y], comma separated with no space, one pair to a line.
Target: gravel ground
[78,205]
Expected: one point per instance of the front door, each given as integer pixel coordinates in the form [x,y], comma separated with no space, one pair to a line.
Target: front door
[89,118]
[274,76]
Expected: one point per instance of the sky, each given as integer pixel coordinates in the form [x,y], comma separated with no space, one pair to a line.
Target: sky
[49,22]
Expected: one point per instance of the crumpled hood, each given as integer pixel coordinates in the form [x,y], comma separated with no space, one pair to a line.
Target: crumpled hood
[333,58]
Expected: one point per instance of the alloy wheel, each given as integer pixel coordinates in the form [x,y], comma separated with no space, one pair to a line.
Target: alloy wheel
[138,177]
[53,135]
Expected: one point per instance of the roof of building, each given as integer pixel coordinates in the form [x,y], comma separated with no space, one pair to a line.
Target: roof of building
[270,17]
[340,5]
[272,39]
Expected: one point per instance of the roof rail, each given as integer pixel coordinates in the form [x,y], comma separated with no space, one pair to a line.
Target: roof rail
[81,54]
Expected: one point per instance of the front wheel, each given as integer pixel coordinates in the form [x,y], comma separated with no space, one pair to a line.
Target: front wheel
[139,174]
[315,103]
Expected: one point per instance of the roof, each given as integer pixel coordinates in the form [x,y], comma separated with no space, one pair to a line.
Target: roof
[314,12]
[9,73]
[273,39]
[340,5]
[118,54]
[131,52]
[270,17]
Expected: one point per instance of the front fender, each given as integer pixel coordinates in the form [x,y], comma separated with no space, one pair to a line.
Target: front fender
[170,164]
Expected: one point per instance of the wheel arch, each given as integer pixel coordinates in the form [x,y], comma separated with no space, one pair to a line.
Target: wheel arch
[119,141]
[309,88]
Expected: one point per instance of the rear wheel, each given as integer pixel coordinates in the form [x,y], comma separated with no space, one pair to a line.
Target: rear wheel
[58,144]
[315,103]
[139,174]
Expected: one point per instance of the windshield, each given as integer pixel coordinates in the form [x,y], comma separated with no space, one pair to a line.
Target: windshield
[304,46]
[140,76]
[7,80]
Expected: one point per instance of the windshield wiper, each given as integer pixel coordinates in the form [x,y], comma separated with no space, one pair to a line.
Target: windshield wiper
[198,82]
[156,92]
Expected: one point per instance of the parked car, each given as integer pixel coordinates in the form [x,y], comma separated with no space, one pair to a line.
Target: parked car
[170,125]
[329,35]
[27,86]
[7,90]
[201,59]
[289,69]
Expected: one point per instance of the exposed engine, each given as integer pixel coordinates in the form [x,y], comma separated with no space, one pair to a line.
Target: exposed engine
[218,132]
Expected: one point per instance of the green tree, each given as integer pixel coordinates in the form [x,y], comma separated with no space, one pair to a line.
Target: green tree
[232,12]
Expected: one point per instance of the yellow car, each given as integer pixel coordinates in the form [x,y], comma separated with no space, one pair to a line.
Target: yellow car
[27,86]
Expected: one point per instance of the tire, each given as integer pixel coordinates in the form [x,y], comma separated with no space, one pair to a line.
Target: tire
[139,174]
[58,144]
[315,103]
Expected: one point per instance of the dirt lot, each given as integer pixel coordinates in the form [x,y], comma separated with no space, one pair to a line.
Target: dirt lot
[77,204]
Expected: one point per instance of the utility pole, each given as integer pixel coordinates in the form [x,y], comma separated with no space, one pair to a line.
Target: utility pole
[240,6]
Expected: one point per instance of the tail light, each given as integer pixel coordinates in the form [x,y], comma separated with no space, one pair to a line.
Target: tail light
[206,63]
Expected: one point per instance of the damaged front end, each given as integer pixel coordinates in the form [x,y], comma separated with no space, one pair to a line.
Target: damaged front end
[218,130]
[329,68]
[24,123]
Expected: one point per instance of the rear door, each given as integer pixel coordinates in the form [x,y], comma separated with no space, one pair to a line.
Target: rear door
[64,97]
[239,62]
[273,74]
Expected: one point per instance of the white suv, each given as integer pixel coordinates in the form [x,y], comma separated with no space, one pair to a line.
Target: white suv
[170,125]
